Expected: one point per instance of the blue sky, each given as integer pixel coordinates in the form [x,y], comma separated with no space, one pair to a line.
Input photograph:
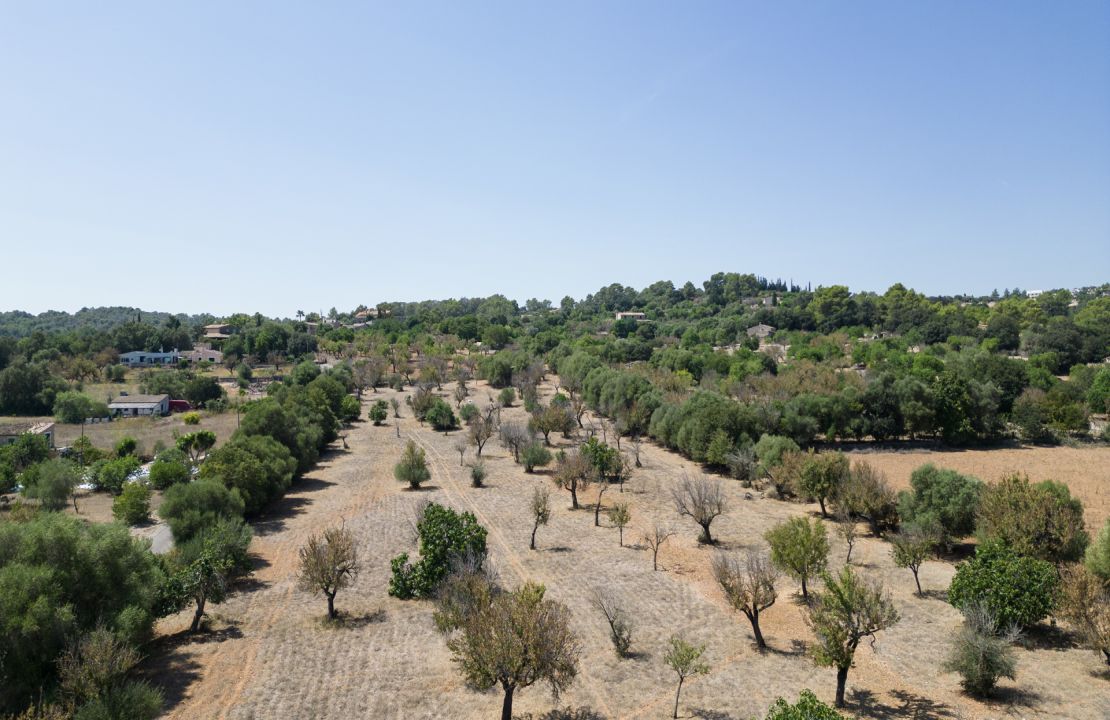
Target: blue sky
[280,156]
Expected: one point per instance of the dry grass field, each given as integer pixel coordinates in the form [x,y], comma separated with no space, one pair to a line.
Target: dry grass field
[268,656]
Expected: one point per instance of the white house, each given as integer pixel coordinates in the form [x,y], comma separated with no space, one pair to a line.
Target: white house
[202,353]
[141,358]
[637,316]
[135,405]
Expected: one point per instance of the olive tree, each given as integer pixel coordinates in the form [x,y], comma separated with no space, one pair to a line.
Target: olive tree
[620,516]
[749,586]
[703,501]
[329,563]
[799,548]
[981,651]
[911,547]
[847,611]
[574,472]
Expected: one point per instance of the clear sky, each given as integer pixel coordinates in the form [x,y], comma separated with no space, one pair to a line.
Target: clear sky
[242,156]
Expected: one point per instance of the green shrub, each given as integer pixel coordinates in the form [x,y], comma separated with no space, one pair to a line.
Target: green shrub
[170,468]
[808,707]
[1015,590]
[132,700]
[350,409]
[379,411]
[110,475]
[412,467]
[1041,520]
[941,498]
[74,407]
[132,506]
[126,446]
[259,468]
[478,474]
[1097,558]
[468,411]
[535,455]
[440,415]
[446,538]
[191,507]
[506,397]
[981,652]
[191,418]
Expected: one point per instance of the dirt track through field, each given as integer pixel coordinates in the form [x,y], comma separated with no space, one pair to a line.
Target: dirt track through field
[268,656]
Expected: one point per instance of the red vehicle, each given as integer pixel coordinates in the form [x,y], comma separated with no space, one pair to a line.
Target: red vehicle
[180,406]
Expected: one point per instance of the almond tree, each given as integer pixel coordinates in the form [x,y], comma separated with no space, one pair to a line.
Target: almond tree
[800,548]
[748,587]
[654,539]
[541,512]
[574,473]
[685,659]
[702,500]
[329,564]
[620,515]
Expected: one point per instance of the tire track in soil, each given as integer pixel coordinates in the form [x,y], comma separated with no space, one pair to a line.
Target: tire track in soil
[445,469]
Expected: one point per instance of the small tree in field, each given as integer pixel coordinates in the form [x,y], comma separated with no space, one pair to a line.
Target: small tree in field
[1085,603]
[981,652]
[460,447]
[573,473]
[703,501]
[329,564]
[799,548]
[912,547]
[654,539]
[620,625]
[848,610]
[533,456]
[513,639]
[748,587]
[379,412]
[396,405]
[685,659]
[619,516]
[541,511]
[413,466]
[848,532]
[480,431]
[478,473]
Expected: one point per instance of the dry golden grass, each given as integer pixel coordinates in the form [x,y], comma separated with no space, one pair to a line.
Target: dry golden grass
[269,657]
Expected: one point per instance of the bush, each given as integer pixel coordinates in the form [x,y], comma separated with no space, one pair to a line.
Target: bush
[191,507]
[867,494]
[535,455]
[468,412]
[1040,520]
[808,707]
[506,397]
[440,415]
[259,468]
[1097,558]
[128,701]
[981,652]
[169,468]
[126,446]
[110,475]
[1015,590]
[413,466]
[133,504]
[74,407]
[799,548]
[350,409]
[191,418]
[379,411]
[446,538]
[941,498]
[477,474]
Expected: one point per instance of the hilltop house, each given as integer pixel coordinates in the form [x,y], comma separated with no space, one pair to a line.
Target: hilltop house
[761,331]
[203,353]
[136,405]
[637,316]
[142,358]
[217,331]
[10,432]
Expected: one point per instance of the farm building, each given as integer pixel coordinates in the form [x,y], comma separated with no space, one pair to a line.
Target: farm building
[631,316]
[135,405]
[761,331]
[141,358]
[10,432]
[203,354]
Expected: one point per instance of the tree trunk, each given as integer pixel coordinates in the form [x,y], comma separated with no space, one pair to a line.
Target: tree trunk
[507,704]
[841,681]
[331,606]
[197,615]
[917,581]
[848,559]
[759,641]
[573,498]
[706,538]
[655,559]
[621,536]
[676,694]
[805,591]
[534,529]
[821,502]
